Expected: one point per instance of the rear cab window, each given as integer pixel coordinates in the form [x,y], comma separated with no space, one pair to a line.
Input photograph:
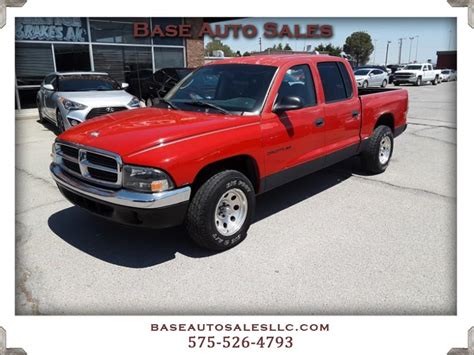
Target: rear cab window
[337,84]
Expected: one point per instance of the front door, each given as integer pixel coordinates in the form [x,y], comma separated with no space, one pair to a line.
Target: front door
[292,149]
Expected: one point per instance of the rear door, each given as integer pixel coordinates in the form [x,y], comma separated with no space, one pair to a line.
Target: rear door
[378,77]
[341,111]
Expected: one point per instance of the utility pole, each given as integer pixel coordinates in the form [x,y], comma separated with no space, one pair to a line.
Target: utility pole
[375,49]
[450,35]
[260,43]
[411,42]
[400,52]
[417,42]
[386,54]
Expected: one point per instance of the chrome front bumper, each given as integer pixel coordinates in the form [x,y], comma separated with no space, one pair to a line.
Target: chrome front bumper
[122,197]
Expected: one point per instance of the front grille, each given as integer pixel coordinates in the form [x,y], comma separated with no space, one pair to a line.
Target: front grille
[70,151]
[99,111]
[102,175]
[97,167]
[72,166]
[403,76]
[100,159]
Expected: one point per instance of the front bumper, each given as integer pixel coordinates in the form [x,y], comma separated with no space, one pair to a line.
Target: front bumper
[158,210]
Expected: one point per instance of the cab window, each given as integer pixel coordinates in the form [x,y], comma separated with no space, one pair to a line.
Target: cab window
[298,81]
[336,82]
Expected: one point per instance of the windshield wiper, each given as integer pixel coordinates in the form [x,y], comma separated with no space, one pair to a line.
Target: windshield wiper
[208,104]
[169,103]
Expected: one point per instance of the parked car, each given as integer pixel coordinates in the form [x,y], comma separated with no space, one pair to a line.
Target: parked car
[161,82]
[417,74]
[69,98]
[448,75]
[202,157]
[371,77]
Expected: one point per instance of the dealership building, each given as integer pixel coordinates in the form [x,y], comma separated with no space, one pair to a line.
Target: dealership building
[45,45]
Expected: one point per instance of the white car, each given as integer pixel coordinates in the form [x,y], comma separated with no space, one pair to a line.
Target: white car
[417,74]
[371,77]
[448,75]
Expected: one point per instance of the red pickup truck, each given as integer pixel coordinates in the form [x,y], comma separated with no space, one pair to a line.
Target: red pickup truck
[228,131]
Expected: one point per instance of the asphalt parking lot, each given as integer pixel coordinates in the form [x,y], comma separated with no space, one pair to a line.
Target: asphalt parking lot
[334,242]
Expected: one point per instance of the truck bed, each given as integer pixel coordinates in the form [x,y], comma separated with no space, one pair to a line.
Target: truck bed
[377,102]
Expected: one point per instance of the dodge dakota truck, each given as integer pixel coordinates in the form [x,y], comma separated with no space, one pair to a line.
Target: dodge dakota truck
[226,132]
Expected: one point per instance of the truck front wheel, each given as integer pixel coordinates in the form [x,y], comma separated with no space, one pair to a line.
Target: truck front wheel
[376,156]
[221,211]
[418,81]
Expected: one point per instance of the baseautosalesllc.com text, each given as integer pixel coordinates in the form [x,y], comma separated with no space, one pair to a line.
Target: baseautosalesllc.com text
[238,327]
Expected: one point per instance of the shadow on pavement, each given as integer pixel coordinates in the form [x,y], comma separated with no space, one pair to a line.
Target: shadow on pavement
[136,247]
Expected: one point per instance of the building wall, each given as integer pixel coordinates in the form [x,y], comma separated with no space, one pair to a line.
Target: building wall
[447,60]
[195,45]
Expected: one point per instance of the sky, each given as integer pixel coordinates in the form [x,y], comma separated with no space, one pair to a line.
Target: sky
[435,34]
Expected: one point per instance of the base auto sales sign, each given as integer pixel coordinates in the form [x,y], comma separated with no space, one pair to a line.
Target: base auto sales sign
[270,30]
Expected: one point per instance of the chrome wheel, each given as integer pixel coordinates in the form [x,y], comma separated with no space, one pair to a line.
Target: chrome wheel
[385,150]
[231,212]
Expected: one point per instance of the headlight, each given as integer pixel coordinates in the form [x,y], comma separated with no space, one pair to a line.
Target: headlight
[145,179]
[73,122]
[134,102]
[71,105]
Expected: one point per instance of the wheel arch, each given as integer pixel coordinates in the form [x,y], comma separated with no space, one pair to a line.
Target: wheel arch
[245,164]
[386,119]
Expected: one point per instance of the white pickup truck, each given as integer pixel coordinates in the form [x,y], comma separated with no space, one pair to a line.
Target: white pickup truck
[417,74]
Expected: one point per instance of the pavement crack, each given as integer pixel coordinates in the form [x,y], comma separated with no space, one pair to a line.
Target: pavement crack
[37,178]
[412,189]
[431,125]
[22,285]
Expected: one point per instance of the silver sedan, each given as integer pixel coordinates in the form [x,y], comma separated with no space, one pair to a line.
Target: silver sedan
[371,77]
[66,99]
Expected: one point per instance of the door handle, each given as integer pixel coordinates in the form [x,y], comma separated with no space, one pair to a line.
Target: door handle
[355,114]
[319,122]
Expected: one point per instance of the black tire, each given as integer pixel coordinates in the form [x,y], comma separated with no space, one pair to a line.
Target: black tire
[384,83]
[365,85]
[418,81]
[396,83]
[371,156]
[435,82]
[60,122]
[201,217]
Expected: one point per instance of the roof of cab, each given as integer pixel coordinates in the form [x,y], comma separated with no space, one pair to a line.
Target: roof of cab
[275,59]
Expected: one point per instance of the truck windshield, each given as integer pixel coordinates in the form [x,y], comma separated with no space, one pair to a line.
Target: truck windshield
[412,67]
[87,83]
[234,88]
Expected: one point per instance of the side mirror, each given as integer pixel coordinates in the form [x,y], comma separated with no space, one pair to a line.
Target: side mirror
[288,103]
[48,87]
[125,85]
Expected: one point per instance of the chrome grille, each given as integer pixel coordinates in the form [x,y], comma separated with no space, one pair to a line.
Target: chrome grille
[94,165]
[403,76]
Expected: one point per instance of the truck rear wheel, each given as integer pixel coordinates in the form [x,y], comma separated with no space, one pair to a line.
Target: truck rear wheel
[436,81]
[376,157]
[221,211]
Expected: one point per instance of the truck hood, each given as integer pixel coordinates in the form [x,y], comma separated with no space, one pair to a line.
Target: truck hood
[130,132]
[98,98]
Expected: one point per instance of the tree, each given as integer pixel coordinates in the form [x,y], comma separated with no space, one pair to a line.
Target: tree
[329,49]
[287,47]
[359,46]
[216,45]
[246,54]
